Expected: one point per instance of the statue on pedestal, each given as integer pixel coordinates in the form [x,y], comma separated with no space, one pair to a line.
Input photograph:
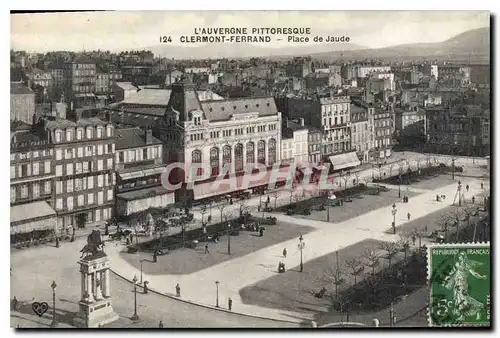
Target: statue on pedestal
[94,246]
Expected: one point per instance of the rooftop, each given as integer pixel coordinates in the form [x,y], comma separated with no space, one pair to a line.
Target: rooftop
[19,88]
[221,110]
[160,97]
[65,123]
[132,138]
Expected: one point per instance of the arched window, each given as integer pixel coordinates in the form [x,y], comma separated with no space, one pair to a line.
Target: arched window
[79,134]
[109,131]
[272,151]
[238,157]
[250,152]
[261,152]
[214,161]
[226,155]
[69,135]
[196,158]
[89,132]
[58,136]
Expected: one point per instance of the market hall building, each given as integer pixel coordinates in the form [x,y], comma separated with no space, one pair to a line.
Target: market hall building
[217,134]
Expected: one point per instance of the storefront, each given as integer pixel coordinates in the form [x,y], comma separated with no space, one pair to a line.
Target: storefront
[131,202]
[344,161]
[32,221]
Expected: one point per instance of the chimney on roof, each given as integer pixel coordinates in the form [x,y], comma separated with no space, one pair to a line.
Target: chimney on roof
[149,136]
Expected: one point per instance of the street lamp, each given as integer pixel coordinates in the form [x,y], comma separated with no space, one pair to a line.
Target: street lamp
[53,286]
[394,211]
[399,184]
[301,247]
[229,238]
[217,290]
[453,168]
[135,317]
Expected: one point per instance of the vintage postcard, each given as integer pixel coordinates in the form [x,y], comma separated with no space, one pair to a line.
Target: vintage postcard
[250,169]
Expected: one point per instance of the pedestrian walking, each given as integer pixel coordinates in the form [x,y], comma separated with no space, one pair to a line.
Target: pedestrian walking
[230,303]
[160,325]
[467,188]
[473,199]
[425,228]
[409,216]
[284,252]
[128,241]
[482,186]
[413,239]
[178,290]
[206,249]
[57,241]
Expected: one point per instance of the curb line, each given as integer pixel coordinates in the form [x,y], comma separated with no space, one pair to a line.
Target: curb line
[213,307]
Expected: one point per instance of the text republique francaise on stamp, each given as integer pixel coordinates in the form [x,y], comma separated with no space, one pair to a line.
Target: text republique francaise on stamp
[459,284]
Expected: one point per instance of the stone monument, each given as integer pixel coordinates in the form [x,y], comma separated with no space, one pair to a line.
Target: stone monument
[95,307]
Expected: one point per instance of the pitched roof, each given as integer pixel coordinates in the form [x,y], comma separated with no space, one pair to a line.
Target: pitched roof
[132,138]
[126,85]
[221,110]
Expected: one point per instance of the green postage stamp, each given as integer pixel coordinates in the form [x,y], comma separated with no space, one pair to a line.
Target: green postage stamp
[459,284]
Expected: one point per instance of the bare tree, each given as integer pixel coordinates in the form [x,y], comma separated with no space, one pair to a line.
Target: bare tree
[419,233]
[274,194]
[468,211]
[356,180]
[227,215]
[221,207]
[391,249]
[372,260]
[444,224]
[355,265]
[404,242]
[336,276]
[203,211]
[243,209]
[456,216]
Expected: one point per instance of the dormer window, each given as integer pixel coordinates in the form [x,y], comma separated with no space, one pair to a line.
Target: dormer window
[69,134]
[89,133]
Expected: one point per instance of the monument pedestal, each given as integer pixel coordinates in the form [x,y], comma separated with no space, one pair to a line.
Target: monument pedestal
[95,306]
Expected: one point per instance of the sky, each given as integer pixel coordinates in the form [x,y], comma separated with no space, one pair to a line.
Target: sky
[124,30]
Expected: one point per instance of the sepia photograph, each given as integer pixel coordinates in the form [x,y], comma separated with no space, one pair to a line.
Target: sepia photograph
[250,169]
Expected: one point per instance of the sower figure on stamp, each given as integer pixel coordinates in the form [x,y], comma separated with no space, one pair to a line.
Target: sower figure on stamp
[456,281]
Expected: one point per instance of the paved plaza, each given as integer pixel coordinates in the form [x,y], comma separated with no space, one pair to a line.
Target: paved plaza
[34,269]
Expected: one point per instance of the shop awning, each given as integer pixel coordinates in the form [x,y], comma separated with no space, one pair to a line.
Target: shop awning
[141,173]
[25,218]
[143,193]
[226,186]
[343,161]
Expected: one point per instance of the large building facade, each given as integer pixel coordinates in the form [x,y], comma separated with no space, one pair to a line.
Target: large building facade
[84,171]
[218,134]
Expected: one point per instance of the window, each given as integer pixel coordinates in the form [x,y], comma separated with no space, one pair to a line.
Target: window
[90,182]
[69,186]
[110,163]
[120,156]
[261,152]
[238,156]
[99,149]
[67,154]
[58,154]
[90,198]
[272,151]
[24,191]
[110,194]
[36,167]
[78,184]
[58,170]
[81,200]
[12,194]
[48,187]
[59,203]
[214,161]
[58,136]
[145,153]
[79,134]
[109,131]
[196,156]
[69,135]
[250,152]
[69,169]
[226,155]
[89,132]
[100,181]
[99,132]
[12,172]
[99,165]
[69,203]
[100,197]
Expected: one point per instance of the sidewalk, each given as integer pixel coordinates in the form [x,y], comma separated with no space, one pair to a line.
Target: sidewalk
[247,270]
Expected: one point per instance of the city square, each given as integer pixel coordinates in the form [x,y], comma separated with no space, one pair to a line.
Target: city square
[277,183]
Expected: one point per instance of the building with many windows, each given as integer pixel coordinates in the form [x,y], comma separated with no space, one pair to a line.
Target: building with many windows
[362,129]
[84,170]
[80,76]
[299,134]
[22,103]
[384,130]
[31,177]
[139,165]
[232,133]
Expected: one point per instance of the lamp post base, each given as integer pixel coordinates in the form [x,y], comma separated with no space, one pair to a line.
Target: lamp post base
[301,267]
[53,324]
[135,317]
